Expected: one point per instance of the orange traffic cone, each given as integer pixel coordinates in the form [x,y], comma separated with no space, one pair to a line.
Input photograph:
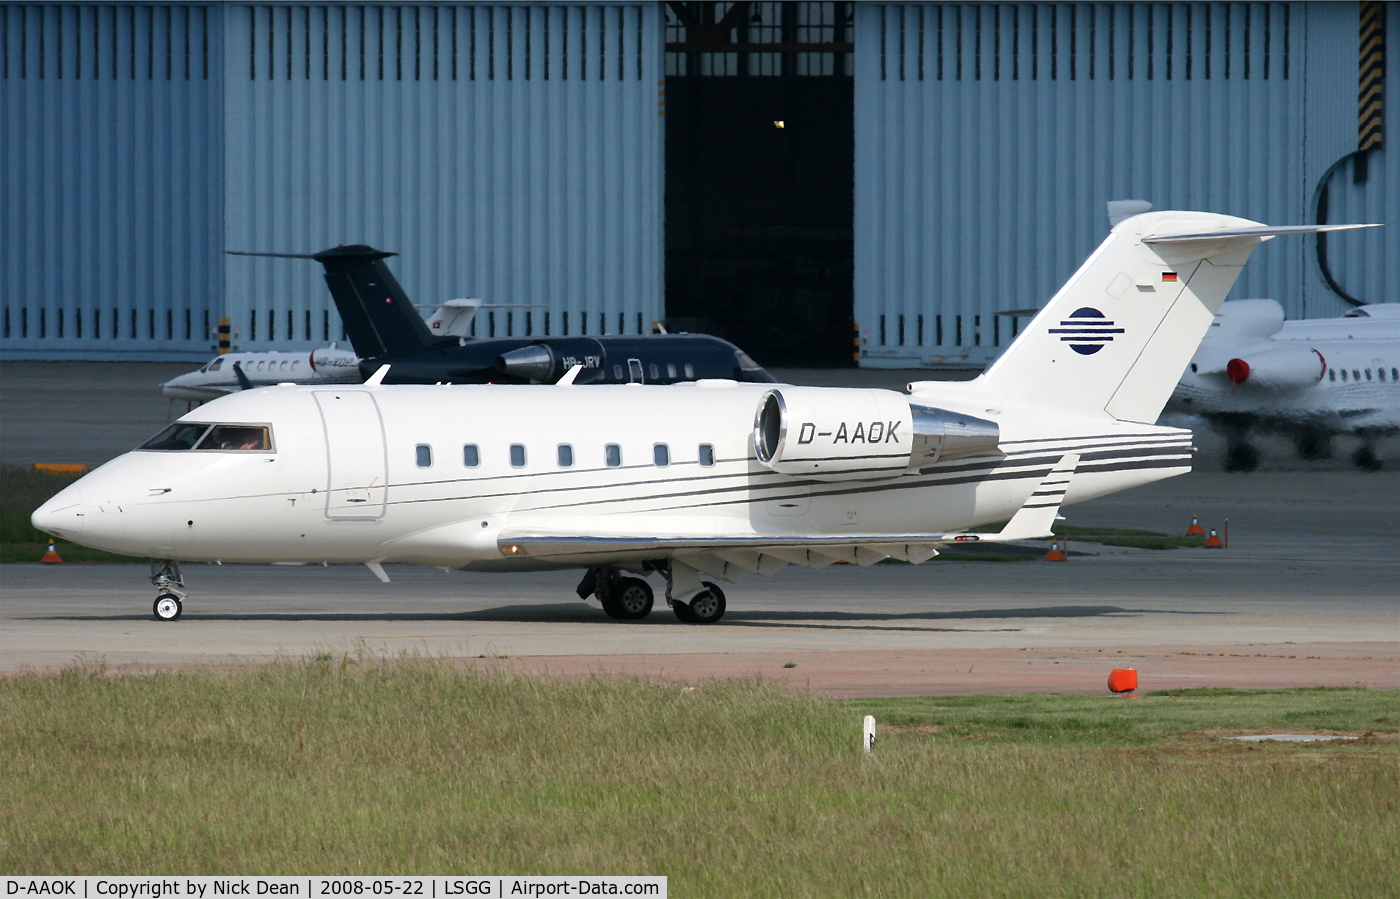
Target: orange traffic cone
[51,556]
[1214,541]
[1195,530]
[1054,555]
[1123,680]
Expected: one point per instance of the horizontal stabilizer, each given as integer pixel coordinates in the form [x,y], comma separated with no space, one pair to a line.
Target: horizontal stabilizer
[1033,520]
[1263,231]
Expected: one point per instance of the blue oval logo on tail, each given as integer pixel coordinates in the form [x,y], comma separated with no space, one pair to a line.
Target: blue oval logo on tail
[1086,330]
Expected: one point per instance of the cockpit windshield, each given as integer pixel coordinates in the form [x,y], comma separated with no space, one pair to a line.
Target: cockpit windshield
[236,437]
[189,435]
[215,365]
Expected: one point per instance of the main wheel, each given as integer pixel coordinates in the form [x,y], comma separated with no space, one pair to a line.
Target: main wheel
[633,598]
[168,607]
[1366,459]
[707,606]
[1241,457]
[612,608]
[682,611]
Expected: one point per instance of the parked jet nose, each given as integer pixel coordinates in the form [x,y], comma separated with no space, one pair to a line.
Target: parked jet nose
[64,515]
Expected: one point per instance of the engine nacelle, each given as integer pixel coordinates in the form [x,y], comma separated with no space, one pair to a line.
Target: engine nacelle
[1278,368]
[833,434]
[546,361]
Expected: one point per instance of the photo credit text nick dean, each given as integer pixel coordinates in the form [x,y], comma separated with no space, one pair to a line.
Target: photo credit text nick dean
[496,887]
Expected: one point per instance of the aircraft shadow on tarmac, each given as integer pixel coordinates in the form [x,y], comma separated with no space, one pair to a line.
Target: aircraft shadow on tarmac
[575,613]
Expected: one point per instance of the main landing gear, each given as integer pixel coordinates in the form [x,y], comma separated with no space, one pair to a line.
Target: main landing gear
[631,598]
[169,584]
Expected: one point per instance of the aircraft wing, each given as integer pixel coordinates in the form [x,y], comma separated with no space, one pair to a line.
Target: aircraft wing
[733,555]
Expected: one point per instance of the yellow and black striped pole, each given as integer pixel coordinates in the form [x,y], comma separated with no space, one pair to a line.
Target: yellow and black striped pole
[856,344]
[225,325]
[1368,126]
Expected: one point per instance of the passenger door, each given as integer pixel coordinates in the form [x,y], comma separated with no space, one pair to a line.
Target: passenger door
[357,486]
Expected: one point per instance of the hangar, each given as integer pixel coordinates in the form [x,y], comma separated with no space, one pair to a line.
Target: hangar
[809,179]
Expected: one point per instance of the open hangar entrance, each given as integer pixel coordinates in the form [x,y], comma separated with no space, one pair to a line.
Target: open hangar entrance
[760,144]
[943,165]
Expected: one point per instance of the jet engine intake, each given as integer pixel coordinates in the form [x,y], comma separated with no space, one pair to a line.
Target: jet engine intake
[1278,368]
[832,434]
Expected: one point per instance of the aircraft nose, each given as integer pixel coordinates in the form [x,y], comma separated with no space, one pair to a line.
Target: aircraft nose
[63,515]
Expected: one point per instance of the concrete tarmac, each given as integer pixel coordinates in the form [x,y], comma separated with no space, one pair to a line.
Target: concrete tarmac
[1307,594]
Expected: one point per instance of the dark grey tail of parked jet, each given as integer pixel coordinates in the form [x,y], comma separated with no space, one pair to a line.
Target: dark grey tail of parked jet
[385,329]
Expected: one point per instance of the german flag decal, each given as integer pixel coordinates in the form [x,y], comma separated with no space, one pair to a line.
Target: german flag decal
[1168,276]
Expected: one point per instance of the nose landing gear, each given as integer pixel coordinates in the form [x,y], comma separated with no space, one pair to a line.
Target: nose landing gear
[166,578]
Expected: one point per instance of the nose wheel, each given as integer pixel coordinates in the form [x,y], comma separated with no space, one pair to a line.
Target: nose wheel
[170,597]
[168,607]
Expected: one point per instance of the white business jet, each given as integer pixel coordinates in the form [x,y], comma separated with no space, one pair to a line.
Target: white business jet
[1311,378]
[712,478]
[324,365]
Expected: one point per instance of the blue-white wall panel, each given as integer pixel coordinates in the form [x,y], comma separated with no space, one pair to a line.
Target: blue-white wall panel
[110,179]
[1365,264]
[990,136]
[509,152]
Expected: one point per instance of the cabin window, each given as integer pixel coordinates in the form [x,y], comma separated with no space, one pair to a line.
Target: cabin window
[216,364]
[517,455]
[1394,375]
[424,454]
[1380,374]
[1331,374]
[671,370]
[1344,374]
[661,455]
[689,372]
[1368,374]
[566,456]
[283,366]
[1193,368]
[617,372]
[296,363]
[261,366]
[634,371]
[471,457]
[1355,375]
[655,372]
[612,453]
[707,454]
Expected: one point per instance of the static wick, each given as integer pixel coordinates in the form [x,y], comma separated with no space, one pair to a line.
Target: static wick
[869,733]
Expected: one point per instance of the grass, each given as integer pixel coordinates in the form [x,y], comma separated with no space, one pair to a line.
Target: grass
[22,490]
[1117,721]
[734,788]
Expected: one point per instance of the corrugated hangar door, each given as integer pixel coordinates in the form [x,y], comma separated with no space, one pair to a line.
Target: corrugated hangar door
[990,136]
[510,152]
[110,181]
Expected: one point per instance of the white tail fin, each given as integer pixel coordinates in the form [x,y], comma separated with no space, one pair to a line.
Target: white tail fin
[1118,335]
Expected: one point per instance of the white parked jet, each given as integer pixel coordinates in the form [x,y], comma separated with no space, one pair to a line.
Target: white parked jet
[716,477]
[1311,378]
[325,365]
[218,377]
